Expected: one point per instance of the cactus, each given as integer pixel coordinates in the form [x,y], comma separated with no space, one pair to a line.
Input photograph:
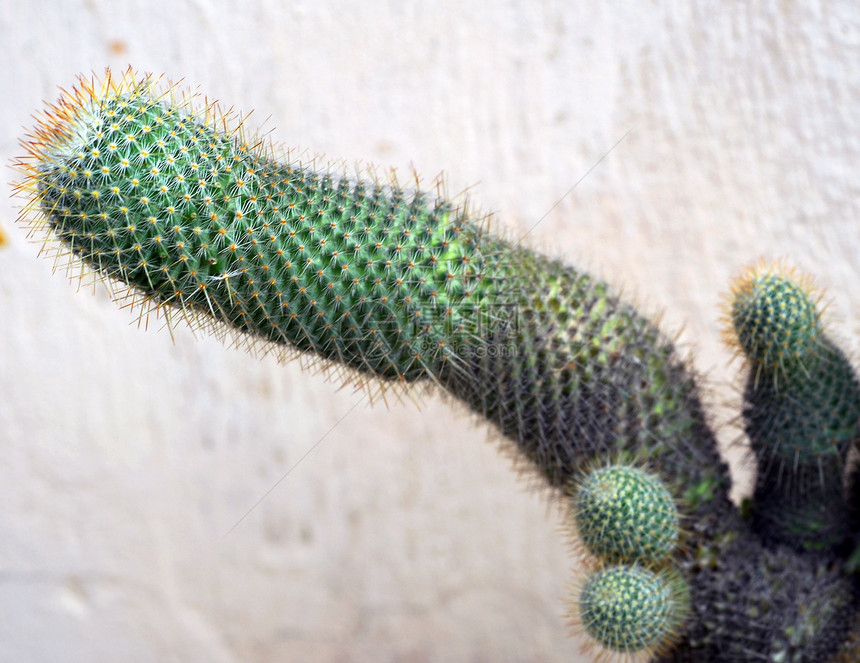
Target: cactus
[624,514]
[188,215]
[775,319]
[801,409]
[174,206]
[181,211]
[630,609]
[627,519]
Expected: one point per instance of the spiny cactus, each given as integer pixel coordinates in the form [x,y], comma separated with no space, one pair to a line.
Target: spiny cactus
[178,207]
[801,409]
[772,605]
[626,519]
[174,205]
[202,222]
[631,609]
[775,319]
[625,514]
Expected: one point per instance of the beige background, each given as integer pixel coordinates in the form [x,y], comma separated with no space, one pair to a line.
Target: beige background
[403,536]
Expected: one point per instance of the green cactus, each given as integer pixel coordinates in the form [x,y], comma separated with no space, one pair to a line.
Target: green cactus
[181,209]
[386,282]
[801,409]
[204,223]
[632,609]
[625,514]
[775,319]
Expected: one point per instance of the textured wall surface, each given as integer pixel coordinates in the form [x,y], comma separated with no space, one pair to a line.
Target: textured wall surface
[126,456]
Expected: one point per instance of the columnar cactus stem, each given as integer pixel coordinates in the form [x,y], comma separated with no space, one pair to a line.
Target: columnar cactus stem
[391,283]
[801,412]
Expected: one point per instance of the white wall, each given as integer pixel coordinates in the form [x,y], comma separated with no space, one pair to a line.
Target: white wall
[127,456]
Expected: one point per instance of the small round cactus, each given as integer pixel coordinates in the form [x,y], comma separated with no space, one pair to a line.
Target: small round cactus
[625,514]
[774,317]
[192,217]
[630,609]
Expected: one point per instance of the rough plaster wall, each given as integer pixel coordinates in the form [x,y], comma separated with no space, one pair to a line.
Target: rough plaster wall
[402,536]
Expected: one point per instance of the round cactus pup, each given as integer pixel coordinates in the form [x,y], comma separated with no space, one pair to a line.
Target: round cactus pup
[631,609]
[625,514]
